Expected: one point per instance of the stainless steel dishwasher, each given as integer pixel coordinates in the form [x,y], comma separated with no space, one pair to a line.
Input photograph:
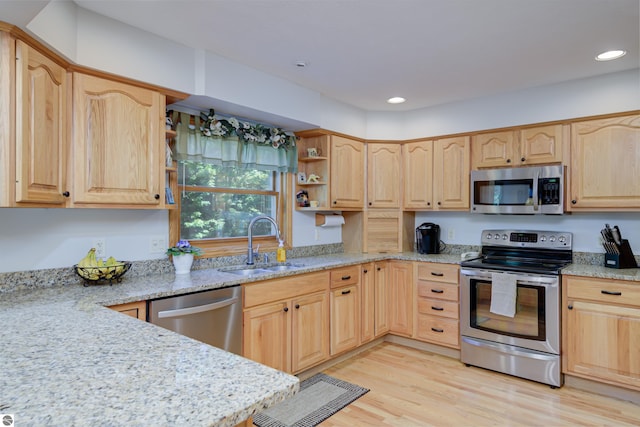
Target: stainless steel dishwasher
[213,317]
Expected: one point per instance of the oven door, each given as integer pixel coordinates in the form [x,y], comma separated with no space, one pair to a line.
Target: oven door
[536,323]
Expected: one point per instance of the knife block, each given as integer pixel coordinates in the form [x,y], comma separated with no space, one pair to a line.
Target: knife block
[625,259]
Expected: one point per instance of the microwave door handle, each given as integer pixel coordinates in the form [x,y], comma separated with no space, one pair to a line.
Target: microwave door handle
[536,200]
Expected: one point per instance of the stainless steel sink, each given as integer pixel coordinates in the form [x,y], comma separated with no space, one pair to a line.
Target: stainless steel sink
[283,267]
[245,271]
[252,271]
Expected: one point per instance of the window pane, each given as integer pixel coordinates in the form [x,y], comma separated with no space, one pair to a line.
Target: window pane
[205,175]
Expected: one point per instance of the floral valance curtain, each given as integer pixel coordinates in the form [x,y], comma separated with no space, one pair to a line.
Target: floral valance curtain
[231,142]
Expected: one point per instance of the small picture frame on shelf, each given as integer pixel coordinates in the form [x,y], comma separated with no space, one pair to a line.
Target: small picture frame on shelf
[312,152]
[302,178]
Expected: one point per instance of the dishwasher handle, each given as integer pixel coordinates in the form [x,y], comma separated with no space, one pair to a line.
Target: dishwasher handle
[179,312]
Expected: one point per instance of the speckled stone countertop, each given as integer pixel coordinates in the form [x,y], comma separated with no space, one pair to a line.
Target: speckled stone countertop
[68,360]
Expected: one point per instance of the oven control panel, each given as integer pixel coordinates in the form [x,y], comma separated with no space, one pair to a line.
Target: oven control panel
[528,239]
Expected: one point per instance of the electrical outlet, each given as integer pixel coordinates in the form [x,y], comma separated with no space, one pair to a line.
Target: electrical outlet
[451,234]
[100,247]
[158,245]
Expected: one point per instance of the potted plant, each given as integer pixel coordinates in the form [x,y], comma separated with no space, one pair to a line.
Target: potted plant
[182,255]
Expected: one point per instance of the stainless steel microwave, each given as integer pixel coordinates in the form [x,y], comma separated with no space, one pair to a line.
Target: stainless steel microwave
[520,190]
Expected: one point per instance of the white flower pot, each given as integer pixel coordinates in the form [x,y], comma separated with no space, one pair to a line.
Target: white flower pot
[182,263]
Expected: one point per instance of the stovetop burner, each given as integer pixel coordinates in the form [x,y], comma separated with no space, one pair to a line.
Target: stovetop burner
[545,252]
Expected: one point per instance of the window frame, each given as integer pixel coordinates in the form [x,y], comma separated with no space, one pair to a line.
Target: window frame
[212,248]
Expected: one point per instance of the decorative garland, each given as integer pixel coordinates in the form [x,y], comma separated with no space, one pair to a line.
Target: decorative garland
[230,126]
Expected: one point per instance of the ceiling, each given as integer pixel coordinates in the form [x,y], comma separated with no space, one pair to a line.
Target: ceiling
[432,52]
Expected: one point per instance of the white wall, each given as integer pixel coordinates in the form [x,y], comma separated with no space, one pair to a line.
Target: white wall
[466,227]
[59,238]
[33,239]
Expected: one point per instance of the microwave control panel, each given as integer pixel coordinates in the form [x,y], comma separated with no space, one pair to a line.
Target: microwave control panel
[549,191]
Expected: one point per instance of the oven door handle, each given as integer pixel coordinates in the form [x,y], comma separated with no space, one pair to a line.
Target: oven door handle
[520,278]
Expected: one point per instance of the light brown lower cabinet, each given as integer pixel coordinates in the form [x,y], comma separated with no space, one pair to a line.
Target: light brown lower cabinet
[286,322]
[381,298]
[437,304]
[137,309]
[345,319]
[601,330]
[367,302]
[401,297]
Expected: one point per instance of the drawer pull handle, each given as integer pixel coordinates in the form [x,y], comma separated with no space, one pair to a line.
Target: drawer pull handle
[437,291]
[433,273]
[436,308]
[346,277]
[438,330]
[346,292]
[610,292]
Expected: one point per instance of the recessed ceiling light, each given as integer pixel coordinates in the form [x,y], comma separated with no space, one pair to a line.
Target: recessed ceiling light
[396,100]
[610,55]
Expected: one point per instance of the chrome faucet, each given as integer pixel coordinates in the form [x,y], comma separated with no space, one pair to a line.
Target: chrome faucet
[250,253]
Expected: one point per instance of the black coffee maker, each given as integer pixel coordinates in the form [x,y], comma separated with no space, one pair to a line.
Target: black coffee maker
[428,238]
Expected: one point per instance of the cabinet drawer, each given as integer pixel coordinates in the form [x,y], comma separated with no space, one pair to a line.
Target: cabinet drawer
[345,276]
[438,329]
[438,272]
[604,290]
[436,307]
[279,289]
[445,291]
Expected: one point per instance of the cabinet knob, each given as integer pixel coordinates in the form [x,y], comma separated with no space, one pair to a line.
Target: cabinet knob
[335,202]
[570,307]
[379,268]
[370,203]
[365,270]
[66,194]
[157,196]
[286,309]
[508,160]
[522,159]
[428,203]
[297,306]
[574,201]
[439,203]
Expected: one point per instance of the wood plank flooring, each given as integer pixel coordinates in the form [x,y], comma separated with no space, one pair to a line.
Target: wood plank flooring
[415,388]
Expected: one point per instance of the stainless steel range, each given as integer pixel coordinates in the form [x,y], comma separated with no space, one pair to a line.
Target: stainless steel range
[510,303]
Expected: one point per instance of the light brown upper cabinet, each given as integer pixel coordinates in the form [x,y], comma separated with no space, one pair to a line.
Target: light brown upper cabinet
[522,147]
[605,164]
[34,126]
[436,174]
[118,144]
[347,173]
[383,175]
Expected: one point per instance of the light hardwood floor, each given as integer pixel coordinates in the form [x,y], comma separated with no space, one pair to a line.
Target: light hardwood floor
[415,388]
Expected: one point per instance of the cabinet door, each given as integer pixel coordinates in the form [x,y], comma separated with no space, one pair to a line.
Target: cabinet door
[310,331]
[604,342]
[118,143]
[401,297]
[267,335]
[345,319]
[451,173]
[493,149]
[540,145]
[383,175]
[381,290]
[605,164]
[136,309]
[367,305]
[347,173]
[418,174]
[41,120]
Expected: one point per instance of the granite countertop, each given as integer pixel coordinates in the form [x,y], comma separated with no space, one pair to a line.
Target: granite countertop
[68,360]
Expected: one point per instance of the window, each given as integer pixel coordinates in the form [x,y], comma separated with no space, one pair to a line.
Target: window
[217,203]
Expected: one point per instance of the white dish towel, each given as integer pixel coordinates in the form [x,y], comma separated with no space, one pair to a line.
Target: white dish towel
[503,294]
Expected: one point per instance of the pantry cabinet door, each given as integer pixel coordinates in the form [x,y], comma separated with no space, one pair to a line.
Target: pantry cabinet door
[41,135]
[118,143]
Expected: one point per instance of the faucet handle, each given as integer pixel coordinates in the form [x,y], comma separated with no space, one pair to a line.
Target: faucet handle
[265,258]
